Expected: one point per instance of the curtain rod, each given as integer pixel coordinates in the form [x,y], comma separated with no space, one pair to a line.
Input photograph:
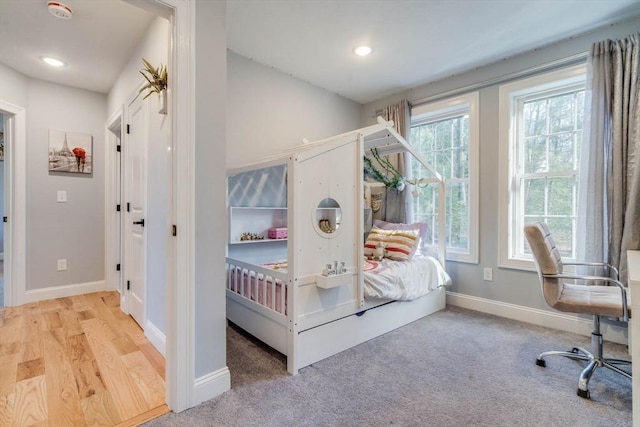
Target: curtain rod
[549,66]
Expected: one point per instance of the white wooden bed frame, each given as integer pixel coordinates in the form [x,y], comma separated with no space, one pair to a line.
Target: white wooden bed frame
[325,316]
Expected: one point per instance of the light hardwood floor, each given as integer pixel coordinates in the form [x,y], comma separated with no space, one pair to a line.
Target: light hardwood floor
[77,361]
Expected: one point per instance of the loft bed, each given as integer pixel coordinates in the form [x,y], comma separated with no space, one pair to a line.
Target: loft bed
[277,284]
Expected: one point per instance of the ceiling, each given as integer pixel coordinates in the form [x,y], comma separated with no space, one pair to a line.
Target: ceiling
[414,41]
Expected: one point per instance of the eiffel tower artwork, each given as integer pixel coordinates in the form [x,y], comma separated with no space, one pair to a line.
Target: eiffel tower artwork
[70,152]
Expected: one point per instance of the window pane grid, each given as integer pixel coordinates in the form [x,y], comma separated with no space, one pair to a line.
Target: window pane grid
[546,169]
[445,144]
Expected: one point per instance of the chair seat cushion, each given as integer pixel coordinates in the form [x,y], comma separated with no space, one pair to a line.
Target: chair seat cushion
[600,300]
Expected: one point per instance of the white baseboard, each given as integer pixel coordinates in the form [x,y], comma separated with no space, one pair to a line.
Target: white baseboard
[156,337]
[62,291]
[555,320]
[211,385]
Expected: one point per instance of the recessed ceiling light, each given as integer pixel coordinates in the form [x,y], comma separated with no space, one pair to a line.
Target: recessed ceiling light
[53,61]
[362,50]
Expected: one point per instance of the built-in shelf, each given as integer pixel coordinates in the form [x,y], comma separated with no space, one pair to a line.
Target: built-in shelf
[255,220]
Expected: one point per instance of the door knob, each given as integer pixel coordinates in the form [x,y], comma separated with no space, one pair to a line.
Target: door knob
[140,223]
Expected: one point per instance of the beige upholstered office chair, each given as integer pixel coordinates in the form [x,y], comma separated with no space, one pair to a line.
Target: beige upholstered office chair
[587,296]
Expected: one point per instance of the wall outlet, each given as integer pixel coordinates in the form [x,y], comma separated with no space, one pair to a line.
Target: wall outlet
[62,196]
[62,264]
[487,274]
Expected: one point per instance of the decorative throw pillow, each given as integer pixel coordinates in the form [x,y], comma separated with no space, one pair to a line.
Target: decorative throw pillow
[421,227]
[401,245]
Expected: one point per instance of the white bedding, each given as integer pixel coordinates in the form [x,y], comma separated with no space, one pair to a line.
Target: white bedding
[403,280]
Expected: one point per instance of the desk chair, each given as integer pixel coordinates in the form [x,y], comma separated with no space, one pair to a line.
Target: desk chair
[585,295]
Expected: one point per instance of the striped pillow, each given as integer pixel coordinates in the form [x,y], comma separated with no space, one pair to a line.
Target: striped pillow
[401,244]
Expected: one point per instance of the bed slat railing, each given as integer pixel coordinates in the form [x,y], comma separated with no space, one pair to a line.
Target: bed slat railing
[257,284]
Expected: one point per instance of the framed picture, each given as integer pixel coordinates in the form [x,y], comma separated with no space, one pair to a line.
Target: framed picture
[70,152]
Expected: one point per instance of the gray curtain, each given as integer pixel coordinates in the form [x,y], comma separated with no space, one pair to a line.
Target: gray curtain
[609,196]
[398,203]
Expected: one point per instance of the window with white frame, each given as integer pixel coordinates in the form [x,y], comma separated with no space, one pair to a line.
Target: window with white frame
[446,134]
[541,120]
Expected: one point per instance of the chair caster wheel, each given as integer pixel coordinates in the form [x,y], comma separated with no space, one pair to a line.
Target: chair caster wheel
[575,350]
[541,362]
[584,394]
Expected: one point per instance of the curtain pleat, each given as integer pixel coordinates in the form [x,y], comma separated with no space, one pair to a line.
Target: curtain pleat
[398,203]
[609,200]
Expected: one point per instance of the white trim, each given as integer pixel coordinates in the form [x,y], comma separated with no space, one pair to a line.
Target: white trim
[549,319]
[180,333]
[15,238]
[211,384]
[112,252]
[156,337]
[54,292]
[506,156]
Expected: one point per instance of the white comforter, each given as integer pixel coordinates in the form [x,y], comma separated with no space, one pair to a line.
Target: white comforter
[404,280]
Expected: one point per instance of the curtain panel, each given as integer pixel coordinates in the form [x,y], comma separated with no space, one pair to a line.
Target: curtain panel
[609,191]
[398,203]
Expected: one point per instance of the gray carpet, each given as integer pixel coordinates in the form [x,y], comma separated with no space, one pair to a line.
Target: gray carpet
[454,368]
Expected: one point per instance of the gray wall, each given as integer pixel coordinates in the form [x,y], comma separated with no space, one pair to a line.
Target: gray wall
[269,111]
[73,230]
[510,286]
[210,190]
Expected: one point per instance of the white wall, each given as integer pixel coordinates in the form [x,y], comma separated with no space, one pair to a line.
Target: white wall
[269,111]
[74,230]
[508,286]
[154,47]
[13,86]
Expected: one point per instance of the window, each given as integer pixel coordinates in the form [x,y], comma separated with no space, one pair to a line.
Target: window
[445,133]
[541,121]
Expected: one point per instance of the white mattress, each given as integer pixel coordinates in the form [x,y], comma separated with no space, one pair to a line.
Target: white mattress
[403,280]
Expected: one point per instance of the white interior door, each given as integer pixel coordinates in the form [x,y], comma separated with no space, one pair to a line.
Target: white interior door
[134,186]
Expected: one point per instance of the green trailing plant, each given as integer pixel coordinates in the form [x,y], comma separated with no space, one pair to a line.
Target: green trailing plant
[391,177]
[156,78]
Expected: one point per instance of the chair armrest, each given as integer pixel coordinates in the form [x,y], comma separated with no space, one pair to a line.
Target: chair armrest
[625,310]
[596,264]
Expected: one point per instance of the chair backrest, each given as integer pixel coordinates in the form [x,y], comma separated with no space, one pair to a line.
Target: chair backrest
[547,259]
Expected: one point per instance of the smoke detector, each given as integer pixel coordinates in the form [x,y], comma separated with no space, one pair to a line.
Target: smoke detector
[59,10]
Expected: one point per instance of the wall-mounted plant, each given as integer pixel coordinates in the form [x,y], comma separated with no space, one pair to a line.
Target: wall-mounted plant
[156,83]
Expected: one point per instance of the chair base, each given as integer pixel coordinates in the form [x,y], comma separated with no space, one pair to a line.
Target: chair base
[595,361]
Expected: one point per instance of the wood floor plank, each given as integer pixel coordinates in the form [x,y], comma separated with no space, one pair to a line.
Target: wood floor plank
[31,344]
[7,412]
[10,348]
[62,394]
[118,381]
[121,340]
[70,322]
[150,384]
[8,371]
[155,358]
[11,334]
[30,402]
[85,366]
[100,410]
[29,369]
[77,361]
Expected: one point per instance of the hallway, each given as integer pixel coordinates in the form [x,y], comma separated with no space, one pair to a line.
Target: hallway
[77,361]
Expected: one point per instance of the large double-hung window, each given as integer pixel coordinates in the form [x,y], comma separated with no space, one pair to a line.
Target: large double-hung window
[446,135]
[541,121]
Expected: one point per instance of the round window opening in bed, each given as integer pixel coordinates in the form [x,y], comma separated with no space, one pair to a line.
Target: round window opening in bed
[328,217]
